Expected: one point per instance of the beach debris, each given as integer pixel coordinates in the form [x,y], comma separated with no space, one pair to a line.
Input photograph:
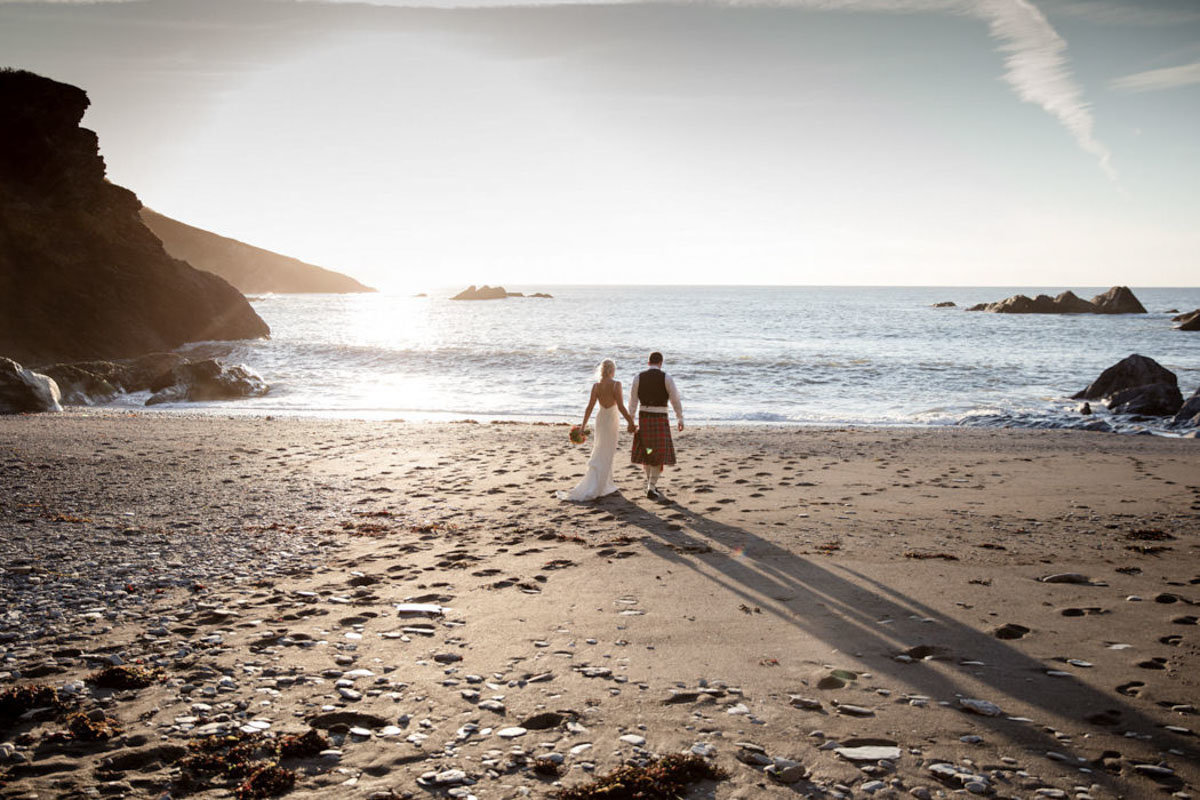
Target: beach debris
[305,745]
[853,710]
[922,556]
[663,778]
[982,707]
[91,726]
[806,703]
[20,700]
[123,677]
[548,764]
[420,610]
[752,754]
[785,770]
[495,706]
[351,719]
[954,775]
[270,780]
[869,752]
[1069,577]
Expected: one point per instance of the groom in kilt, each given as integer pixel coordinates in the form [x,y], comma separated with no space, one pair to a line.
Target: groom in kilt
[652,445]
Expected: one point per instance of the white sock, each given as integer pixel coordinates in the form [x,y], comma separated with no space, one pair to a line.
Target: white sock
[652,477]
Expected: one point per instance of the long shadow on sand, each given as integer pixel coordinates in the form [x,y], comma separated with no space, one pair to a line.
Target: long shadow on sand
[847,610]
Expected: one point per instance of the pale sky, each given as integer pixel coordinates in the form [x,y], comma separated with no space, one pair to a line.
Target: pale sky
[930,142]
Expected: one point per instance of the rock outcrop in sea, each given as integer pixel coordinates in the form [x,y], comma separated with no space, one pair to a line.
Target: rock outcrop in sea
[24,391]
[484,292]
[204,381]
[80,276]
[250,269]
[1136,385]
[1117,300]
[1188,322]
[171,377]
[1188,416]
[91,382]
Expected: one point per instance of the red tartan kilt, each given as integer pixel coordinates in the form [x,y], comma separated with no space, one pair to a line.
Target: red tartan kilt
[652,443]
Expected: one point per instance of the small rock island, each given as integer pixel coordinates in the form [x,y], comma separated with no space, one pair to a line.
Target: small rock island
[1117,300]
[486,292]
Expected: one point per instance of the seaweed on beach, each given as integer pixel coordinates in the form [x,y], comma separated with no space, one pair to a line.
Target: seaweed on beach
[269,780]
[20,699]
[123,677]
[923,556]
[1148,549]
[1149,535]
[82,727]
[232,755]
[366,528]
[665,778]
[306,745]
[250,759]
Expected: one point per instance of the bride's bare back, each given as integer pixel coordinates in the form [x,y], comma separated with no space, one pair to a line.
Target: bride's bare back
[607,392]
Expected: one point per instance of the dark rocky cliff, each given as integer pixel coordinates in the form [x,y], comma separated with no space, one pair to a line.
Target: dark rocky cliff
[251,269]
[80,276]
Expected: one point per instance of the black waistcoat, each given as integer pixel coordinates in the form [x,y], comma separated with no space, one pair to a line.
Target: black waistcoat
[652,388]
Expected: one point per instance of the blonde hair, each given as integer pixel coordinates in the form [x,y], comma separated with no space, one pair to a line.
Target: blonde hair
[607,369]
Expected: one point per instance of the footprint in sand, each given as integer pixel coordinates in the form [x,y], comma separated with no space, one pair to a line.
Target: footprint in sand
[1106,718]
[1173,640]
[1131,689]
[1081,612]
[1011,630]
[1154,663]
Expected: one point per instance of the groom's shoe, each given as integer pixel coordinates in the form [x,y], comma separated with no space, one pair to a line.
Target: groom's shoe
[653,493]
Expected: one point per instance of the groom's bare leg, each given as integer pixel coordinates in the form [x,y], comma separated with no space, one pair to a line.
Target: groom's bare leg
[652,474]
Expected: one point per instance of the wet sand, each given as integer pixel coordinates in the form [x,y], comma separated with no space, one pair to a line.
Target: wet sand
[800,594]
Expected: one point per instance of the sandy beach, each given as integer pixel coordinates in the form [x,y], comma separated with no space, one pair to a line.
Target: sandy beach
[862,612]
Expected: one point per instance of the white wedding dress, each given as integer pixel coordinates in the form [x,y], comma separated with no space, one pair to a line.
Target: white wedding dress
[598,481]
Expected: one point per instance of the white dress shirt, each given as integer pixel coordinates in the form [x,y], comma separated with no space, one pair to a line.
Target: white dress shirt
[672,393]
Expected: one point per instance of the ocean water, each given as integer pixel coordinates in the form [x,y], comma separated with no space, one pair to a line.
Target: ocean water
[799,355]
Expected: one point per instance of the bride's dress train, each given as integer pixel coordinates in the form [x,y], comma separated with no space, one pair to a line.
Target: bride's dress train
[598,481]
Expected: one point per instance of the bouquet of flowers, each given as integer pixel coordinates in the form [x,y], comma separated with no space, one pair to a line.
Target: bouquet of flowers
[579,435]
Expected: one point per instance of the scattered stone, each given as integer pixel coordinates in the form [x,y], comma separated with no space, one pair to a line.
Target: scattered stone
[854,711]
[982,707]
[869,753]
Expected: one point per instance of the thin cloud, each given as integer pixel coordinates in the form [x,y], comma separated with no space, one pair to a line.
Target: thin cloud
[1155,80]
[1035,56]
[1038,70]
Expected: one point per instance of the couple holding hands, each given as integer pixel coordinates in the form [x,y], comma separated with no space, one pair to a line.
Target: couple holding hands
[649,396]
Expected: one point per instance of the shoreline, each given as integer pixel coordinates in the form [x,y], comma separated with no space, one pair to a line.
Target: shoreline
[793,579]
[451,418]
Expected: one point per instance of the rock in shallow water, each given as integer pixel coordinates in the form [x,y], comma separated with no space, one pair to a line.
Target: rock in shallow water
[203,381]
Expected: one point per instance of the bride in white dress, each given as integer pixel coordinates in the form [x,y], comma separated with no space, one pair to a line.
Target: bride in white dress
[606,392]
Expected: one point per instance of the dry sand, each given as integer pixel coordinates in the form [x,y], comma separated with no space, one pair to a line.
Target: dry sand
[800,590]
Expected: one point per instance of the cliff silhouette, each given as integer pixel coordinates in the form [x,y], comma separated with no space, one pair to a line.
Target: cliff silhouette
[80,276]
[251,269]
